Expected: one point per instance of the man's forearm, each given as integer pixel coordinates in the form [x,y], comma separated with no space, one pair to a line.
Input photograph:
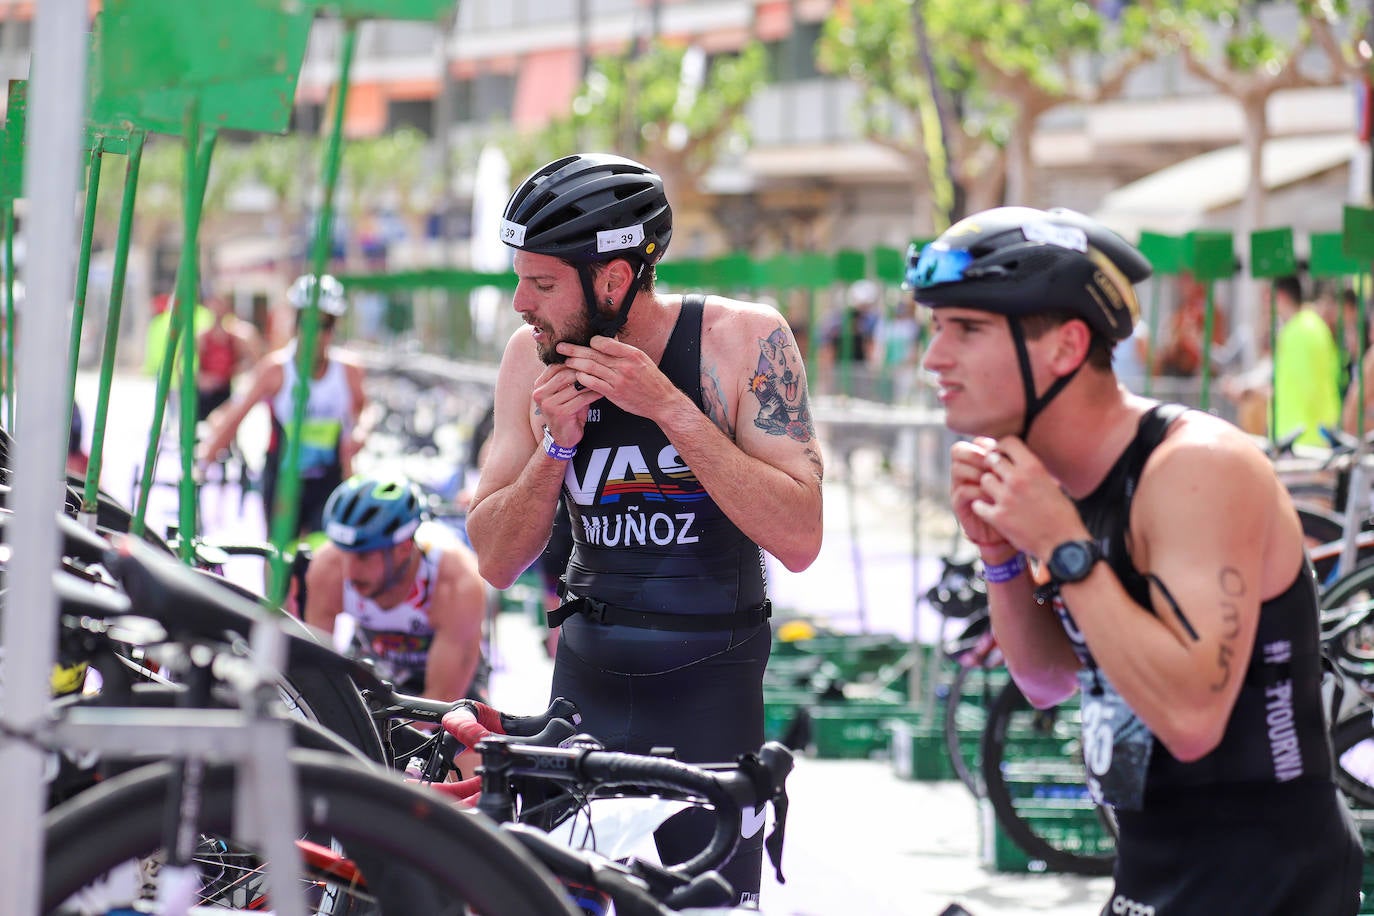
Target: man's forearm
[1037,651]
[771,507]
[509,527]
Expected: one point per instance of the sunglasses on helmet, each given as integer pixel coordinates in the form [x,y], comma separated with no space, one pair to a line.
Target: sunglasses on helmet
[934,264]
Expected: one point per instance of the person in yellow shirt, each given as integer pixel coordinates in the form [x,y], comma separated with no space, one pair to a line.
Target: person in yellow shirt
[1307,367]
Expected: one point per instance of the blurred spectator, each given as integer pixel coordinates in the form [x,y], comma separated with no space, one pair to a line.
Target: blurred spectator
[1353,341]
[331,431]
[77,458]
[223,349]
[155,344]
[1180,354]
[849,339]
[898,338]
[1306,367]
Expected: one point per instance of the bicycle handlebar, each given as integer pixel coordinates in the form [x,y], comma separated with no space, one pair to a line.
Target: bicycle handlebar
[753,780]
[633,893]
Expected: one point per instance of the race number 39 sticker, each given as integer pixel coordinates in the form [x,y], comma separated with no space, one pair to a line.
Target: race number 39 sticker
[620,239]
[512,233]
[1116,744]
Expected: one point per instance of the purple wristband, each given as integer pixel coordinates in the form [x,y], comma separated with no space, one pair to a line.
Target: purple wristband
[554,450]
[1005,572]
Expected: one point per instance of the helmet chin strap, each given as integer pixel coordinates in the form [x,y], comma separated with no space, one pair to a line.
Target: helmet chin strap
[602,325]
[1034,405]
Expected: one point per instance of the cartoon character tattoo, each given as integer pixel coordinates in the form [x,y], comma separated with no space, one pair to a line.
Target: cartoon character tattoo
[781,389]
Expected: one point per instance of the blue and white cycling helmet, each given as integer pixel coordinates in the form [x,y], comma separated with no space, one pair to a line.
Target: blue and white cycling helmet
[332,301]
[372,513]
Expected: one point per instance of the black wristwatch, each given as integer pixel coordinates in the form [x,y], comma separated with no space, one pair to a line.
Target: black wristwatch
[1071,561]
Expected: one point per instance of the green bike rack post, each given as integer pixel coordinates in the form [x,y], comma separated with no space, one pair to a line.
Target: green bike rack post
[11,189]
[191,70]
[132,165]
[1357,244]
[1271,256]
[1165,254]
[285,514]
[1327,260]
[1210,256]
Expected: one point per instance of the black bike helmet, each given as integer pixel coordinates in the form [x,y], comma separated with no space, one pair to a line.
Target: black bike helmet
[1018,261]
[591,208]
[1021,261]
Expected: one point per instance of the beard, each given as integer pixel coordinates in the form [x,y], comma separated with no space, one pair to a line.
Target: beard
[578,333]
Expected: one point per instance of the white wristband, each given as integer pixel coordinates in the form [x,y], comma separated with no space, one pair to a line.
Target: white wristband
[554,450]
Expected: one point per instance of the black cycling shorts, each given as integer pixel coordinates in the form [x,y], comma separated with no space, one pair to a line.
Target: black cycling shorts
[1288,850]
[313,494]
[699,693]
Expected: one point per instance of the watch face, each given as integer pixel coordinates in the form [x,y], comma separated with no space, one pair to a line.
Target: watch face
[1072,561]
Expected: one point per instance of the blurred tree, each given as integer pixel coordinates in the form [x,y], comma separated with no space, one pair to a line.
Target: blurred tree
[384,173]
[997,68]
[1249,51]
[668,107]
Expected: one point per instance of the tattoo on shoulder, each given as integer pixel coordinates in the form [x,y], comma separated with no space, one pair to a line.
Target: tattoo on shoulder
[714,397]
[779,383]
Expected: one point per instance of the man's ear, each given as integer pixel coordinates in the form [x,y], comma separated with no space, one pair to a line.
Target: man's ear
[616,277]
[1072,341]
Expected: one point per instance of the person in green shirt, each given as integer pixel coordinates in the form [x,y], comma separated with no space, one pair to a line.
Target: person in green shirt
[1307,367]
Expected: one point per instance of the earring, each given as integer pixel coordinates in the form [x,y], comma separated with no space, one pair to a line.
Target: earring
[610,301]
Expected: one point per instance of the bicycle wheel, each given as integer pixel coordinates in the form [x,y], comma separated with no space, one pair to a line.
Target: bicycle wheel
[1352,743]
[1350,591]
[330,698]
[1319,526]
[407,851]
[966,716]
[322,693]
[1034,780]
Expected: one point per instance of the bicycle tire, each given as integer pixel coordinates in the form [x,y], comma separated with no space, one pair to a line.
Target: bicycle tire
[1017,747]
[421,854]
[325,695]
[1354,586]
[1319,526]
[963,718]
[331,699]
[1352,745]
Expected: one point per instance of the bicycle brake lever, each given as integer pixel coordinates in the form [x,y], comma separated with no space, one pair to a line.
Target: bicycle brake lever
[774,842]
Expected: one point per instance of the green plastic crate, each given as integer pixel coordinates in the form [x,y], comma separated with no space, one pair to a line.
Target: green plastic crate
[1074,826]
[919,751]
[855,729]
[525,595]
[780,707]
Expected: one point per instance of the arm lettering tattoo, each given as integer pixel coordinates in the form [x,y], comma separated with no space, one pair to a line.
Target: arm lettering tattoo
[714,399]
[780,386]
[1232,586]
